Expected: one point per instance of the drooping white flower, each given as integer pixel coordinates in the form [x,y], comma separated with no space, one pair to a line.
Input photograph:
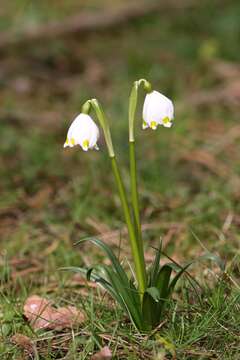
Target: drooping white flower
[84,132]
[157,110]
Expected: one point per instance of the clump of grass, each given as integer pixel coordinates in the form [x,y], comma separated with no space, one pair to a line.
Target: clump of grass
[203,326]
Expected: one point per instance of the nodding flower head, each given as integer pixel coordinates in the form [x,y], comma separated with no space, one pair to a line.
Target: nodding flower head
[84,132]
[157,110]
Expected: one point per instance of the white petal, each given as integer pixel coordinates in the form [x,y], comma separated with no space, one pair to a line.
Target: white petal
[157,107]
[168,125]
[82,129]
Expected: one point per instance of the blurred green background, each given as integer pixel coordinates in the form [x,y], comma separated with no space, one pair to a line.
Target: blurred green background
[189,174]
[189,51]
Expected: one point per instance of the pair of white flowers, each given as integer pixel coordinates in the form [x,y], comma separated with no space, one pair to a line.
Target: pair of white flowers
[157,110]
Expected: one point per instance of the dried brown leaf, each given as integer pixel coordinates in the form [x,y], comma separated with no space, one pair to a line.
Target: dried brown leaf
[65,317]
[42,315]
[104,354]
[38,311]
[24,342]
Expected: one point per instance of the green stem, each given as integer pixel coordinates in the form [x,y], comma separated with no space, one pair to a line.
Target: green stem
[135,198]
[138,257]
[133,171]
[134,187]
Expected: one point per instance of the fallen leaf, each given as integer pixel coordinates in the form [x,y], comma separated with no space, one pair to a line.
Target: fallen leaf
[24,342]
[104,354]
[38,311]
[42,315]
[65,317]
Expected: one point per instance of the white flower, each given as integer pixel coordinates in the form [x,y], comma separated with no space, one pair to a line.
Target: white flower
[84,132]
[157,110]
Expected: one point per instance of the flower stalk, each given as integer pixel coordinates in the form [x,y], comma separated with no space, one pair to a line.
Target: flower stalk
[137,251]
[132,158]
[133,105]
[137,254]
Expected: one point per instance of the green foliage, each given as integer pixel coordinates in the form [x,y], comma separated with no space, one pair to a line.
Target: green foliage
[145,314]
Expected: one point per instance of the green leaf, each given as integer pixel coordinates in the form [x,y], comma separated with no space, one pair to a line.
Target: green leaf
[108,287]
[98,279]
[111,279]
[154,293]
[162,284]
[162,280]
[156,265]
[125,294]
[115,262]
[148,307]
[117,283]
[133,293]
[151,308]
[132,308]
[89,272]
[177,277]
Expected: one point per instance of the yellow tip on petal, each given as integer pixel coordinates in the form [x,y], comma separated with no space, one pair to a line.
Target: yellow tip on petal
[144,125]
[153,125]
[166,120]
[85,145]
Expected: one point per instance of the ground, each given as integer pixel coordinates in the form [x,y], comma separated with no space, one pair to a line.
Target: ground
[189,177]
